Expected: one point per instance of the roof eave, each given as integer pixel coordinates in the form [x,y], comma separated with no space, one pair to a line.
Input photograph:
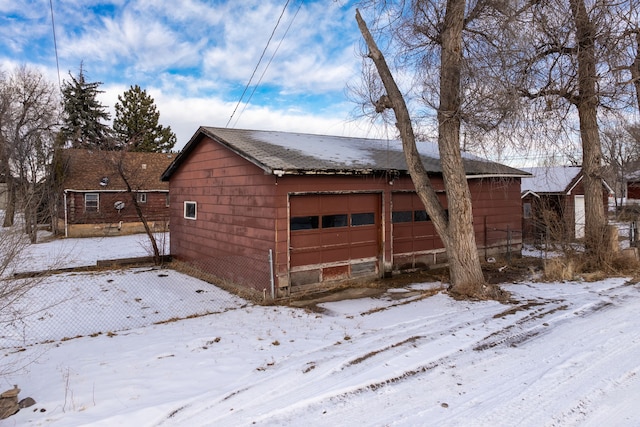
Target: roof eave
[495,175]
[282,172]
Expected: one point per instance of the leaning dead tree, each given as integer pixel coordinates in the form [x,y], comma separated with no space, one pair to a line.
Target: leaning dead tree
[456,229]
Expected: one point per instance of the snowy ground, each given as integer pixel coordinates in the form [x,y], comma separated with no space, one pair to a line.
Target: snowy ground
[566,354]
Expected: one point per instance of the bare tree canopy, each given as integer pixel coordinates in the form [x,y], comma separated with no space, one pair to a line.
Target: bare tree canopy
[568,55]
[29,113]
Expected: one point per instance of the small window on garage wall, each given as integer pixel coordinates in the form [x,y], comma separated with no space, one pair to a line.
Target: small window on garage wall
[190,210]
[142,197]
[526,207]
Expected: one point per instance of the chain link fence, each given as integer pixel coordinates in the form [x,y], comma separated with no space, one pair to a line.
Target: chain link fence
[53,307]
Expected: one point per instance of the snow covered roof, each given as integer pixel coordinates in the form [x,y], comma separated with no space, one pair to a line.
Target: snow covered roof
[633,176]
[298,153]
[556,179]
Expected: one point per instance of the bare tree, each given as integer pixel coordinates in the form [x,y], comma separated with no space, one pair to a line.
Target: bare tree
[624,55]
[455,230]
[564,66]
[621,151]
[126,166]
[29,109]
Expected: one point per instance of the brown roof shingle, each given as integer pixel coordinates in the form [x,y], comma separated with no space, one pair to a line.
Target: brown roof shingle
[86,170]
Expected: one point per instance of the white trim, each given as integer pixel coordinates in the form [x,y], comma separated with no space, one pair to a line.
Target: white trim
[69,190]
[97,201]
[526,193]
[497,175]
[184,209]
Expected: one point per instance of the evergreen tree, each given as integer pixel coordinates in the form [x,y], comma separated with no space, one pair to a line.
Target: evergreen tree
[136,123]
[84,116]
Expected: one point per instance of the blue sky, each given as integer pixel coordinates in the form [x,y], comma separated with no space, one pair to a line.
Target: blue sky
[195,57]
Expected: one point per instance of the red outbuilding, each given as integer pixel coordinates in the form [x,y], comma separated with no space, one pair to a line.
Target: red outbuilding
[277,211]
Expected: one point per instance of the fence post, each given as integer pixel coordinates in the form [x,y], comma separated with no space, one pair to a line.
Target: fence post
[273,287]
[508,244]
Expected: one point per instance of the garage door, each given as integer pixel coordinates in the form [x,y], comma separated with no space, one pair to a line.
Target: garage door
[334,228]
[413,230]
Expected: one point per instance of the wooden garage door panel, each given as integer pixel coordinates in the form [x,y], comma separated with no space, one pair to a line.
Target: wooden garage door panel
[336,254]
[363,234]
[304,257]
[331,238]
[413,235]
[305,239]
[353,238]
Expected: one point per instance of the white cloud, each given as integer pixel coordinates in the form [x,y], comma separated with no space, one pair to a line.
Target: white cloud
[194,58]
[186,114]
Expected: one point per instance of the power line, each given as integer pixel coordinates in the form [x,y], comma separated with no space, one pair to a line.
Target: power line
[55,44]
[258,64]
[268,64]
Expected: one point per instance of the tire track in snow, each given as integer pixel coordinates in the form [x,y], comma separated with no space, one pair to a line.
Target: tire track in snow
[348,367]
[376,359]
[563,393]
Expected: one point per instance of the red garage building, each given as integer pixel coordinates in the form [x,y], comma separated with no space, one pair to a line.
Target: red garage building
[276,211]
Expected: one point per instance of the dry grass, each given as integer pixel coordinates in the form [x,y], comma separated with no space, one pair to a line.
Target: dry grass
[589,267]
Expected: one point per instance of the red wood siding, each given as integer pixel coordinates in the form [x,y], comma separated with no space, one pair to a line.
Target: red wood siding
[236,214]
[633,190]
[155,208]
[497,213]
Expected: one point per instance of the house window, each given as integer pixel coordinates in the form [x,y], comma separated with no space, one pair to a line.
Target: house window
[190,210]
[167,199]
[526,210]
[91,202]
[142,197]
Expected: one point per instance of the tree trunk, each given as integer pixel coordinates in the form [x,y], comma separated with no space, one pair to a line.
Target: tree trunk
[462,252]
[10,211]
[587,104]
[635,69]
[456,230]
[157,259]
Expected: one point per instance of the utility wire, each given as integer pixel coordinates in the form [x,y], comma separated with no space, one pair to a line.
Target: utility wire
[268,64]
[55,44]
[258,64]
